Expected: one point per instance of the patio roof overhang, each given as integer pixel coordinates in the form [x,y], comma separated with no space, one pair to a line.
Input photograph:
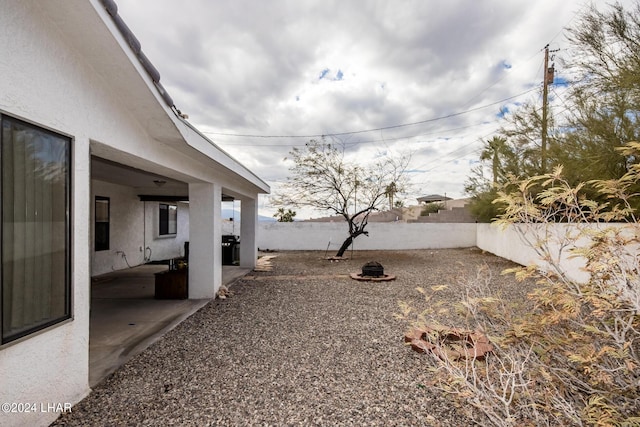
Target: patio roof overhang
[91,28]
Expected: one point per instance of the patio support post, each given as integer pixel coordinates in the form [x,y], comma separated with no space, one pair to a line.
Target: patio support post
[248,229]
[205,240]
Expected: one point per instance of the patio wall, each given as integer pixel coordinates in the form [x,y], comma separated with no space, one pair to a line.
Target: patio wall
[390,235]
[510,244]
[507,243]
[134,229]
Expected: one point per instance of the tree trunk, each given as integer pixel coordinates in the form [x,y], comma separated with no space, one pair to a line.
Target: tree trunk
[345,246]
[349,241]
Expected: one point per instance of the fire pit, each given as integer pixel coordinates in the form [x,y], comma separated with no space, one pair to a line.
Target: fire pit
[372,271]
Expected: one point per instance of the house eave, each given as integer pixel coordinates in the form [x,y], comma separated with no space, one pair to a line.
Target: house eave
[124,67]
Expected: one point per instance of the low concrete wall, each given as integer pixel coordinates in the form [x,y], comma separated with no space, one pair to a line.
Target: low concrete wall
[391,235]
[506,243]
[515,243]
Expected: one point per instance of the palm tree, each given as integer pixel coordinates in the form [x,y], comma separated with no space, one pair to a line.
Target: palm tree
[390,191]
[494,150]
[284,215]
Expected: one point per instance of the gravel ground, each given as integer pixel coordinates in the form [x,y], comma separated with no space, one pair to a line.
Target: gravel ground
[299,345]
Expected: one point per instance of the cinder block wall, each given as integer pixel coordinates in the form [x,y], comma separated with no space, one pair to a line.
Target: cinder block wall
[392,236]
[507,243]
[511,243]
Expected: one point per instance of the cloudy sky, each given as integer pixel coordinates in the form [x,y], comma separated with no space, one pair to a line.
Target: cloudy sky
[429,76]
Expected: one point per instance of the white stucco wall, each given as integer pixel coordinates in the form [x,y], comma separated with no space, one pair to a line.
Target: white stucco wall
[164,247]
[134,230]
[45,82]
[61,68]
[509,243]
[52,366]
[126,225]
[393,235]
[505,243]
[41,82]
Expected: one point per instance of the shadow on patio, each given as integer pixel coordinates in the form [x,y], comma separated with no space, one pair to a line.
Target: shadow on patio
[126,318]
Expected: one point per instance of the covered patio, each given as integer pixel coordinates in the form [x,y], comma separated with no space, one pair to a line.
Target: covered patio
[126,318]
[134,181]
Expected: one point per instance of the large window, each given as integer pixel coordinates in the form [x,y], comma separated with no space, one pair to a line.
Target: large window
[101,236]
[35,204]
[168,220]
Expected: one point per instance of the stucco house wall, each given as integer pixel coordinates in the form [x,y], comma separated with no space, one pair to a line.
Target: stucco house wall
[134,230]
[126,223]
[64,67]
[164,247]
[43,81]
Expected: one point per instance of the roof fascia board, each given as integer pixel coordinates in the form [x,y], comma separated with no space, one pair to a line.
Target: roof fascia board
[200,142]
[107,10]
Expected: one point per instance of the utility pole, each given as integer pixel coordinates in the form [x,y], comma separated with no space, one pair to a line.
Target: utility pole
[548,80]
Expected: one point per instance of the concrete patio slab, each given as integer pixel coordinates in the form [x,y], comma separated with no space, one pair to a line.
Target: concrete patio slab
[126,318]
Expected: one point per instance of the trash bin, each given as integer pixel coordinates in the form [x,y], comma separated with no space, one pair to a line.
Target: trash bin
[229,249]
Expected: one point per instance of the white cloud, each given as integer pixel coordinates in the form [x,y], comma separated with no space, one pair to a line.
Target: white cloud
[253,67]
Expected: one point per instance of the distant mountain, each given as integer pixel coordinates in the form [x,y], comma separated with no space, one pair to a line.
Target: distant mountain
[230,213]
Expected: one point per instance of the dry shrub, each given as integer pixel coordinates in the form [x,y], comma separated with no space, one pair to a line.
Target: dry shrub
[574,357]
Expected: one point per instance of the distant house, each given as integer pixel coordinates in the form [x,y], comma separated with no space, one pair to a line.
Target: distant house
[393,215]
[99,171]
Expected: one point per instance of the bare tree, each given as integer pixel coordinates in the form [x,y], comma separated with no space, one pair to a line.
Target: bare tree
[322,178]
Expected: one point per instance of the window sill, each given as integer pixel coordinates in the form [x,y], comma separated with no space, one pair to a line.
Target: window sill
[36,333]
[167,236]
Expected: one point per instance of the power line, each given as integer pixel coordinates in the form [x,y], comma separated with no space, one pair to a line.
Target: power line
[369,141]
[375,129]
[442,160]
[463,149]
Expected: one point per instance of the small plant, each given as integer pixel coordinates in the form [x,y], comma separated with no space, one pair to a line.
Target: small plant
[283,215]
[432,207]
[494,385]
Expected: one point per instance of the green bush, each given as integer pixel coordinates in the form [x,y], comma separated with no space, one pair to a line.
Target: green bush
[432,207]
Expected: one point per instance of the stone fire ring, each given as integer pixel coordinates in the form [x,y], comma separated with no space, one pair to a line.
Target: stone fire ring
[383,278]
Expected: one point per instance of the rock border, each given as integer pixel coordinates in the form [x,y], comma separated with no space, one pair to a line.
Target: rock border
[361,278]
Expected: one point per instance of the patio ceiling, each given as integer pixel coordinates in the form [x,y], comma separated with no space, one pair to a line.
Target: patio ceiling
[149,185]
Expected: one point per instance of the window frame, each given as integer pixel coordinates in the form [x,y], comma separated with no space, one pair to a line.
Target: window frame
[100,245]
[68,235]
[164,220]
